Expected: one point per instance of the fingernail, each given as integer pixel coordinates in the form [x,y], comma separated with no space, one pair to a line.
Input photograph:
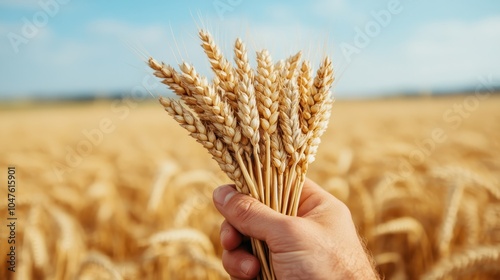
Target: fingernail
[222,194]
[245,266]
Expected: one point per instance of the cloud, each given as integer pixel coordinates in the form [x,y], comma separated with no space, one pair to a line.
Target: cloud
[454,38]
[98,59]
[455,51]
[438,55]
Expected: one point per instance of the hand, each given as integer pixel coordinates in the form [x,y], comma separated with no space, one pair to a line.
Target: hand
[321,243]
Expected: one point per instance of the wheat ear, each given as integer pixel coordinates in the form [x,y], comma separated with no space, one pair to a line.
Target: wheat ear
[449,218]
[304,83]
[408,225]
[208,139]
[221,67]
[170,77]
[182,235]
[472,260]
[103,262]
[248,114]
[319,107]
[267,105]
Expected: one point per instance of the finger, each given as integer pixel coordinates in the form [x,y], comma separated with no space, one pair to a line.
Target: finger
[313,196]
[240,264]
[249,216]
[310,188]
[230,238]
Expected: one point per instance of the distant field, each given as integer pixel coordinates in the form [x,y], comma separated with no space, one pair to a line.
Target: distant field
[117,189]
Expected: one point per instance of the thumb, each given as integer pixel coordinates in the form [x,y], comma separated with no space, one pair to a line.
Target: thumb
[248,215]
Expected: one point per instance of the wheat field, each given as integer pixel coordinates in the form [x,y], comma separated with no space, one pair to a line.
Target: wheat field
[117,190]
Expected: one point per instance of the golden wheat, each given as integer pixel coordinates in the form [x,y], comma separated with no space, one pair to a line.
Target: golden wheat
[105,197]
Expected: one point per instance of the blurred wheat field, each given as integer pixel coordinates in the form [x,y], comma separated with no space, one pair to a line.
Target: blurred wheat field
[117,190]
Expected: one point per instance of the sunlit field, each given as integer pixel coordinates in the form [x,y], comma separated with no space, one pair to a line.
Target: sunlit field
[117,190]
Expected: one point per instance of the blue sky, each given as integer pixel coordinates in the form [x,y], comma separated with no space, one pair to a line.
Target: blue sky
[383,46]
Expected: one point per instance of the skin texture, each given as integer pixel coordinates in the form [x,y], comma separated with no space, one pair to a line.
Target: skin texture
[320,243]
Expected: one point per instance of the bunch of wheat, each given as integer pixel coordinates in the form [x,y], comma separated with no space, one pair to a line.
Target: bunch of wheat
[262,126]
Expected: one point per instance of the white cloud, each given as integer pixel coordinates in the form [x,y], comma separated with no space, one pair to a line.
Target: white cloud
[454,51]
[454,38]
[98,59]
[439,55]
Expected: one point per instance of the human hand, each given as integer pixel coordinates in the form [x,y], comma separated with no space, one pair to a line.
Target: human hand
[320,243]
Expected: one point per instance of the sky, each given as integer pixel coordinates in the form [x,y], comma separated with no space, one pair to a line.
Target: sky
[62,48]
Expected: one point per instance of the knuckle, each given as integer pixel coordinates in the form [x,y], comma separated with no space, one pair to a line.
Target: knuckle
[288,225]
[243,210]
[343,209]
